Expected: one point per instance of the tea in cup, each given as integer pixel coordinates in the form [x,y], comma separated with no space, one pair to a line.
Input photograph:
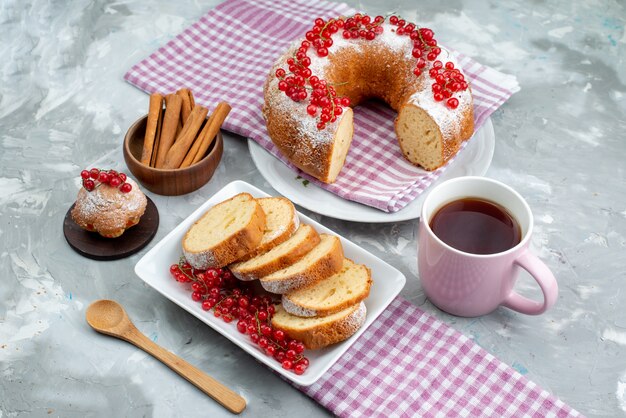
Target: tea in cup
[474,235]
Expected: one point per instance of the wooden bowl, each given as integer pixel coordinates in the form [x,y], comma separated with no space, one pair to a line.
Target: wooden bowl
[169,182]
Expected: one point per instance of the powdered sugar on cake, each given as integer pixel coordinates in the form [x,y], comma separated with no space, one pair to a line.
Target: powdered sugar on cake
[200,260]
[109,210]
[356,319]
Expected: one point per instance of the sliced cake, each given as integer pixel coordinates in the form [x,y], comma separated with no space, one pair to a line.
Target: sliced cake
[318,332]
[324,260]
[225,233]
[281,221]
[279,257]
[346,288]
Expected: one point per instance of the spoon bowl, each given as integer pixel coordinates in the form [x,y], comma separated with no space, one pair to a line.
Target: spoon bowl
[109,317]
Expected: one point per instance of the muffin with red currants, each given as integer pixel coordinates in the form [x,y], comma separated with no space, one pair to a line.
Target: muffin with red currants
[108,203]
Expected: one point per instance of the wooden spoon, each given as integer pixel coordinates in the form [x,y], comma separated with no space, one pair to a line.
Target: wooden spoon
[109,317]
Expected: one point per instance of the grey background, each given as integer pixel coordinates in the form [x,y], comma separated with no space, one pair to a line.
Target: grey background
[64,106]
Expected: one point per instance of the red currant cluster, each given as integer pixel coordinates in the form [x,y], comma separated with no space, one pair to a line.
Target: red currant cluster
[231,299]
[448,80]
[320,36]
[95,177]
[295,86]
[359,26]
[423,42]
[325,97]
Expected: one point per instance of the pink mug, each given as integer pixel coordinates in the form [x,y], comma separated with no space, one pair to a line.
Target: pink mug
[465,284]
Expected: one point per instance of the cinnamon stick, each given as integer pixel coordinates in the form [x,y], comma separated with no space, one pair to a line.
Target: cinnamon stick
[157,139]
[177,152]
[154,114]
[208,134]
[171,119]
[187,107]
[191,99]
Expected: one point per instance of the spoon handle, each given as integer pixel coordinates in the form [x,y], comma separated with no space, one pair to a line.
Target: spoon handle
[216,390]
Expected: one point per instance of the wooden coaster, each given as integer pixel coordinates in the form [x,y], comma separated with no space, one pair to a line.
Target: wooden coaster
[93,245]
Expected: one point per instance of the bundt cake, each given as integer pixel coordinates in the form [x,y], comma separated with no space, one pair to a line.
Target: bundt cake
[345,61]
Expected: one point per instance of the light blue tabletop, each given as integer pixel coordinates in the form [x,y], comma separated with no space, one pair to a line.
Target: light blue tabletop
[64,106]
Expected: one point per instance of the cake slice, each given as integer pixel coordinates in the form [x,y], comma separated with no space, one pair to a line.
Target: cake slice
[318,332]
[281,222]
[346,288]
[279,257]
[225,233]
[324,260]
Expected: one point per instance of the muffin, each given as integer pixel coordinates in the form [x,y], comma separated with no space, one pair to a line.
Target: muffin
[108,203]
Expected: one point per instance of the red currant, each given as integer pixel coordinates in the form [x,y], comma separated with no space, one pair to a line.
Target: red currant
[115,181]
[89,185]
[94,173]
[103,177]
[453,103]
[84,174]
[322,51]
[242,326]
[266,330]
[299,369]
[126,188]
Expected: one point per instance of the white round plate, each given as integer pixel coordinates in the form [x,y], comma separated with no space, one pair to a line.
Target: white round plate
[474,160]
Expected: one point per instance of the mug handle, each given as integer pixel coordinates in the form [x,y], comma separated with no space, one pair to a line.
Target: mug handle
[546,280]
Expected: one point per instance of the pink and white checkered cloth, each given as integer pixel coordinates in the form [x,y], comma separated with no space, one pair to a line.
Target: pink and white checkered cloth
[409,364]
[226,56]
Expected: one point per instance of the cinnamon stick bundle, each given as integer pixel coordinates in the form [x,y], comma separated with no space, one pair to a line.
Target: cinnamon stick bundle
[180,136]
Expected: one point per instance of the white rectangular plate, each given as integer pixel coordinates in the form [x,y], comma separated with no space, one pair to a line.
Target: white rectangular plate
[153,268]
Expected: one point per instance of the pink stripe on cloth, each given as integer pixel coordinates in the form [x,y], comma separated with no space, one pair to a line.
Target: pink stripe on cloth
[225,56]
[408,363]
